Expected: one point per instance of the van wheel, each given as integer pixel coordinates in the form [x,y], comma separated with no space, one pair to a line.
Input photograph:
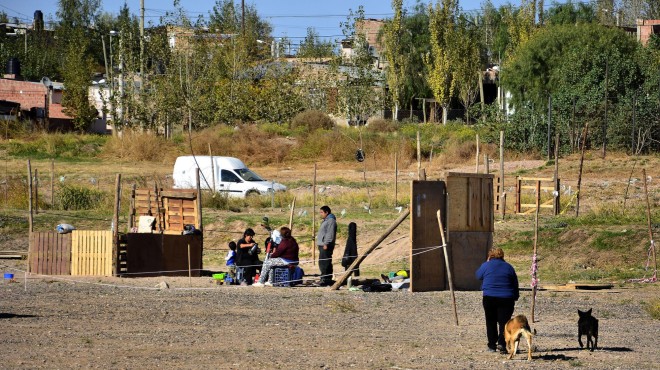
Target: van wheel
[251,193]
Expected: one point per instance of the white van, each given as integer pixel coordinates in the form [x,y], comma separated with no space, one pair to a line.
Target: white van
[232,177]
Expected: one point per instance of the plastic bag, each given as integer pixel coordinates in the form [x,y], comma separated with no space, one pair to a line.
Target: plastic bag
[64,228]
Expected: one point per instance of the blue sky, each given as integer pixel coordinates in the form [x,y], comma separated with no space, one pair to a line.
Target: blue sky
[289,18]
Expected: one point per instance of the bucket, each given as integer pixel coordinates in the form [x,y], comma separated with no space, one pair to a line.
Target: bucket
[8,275]
[220,276]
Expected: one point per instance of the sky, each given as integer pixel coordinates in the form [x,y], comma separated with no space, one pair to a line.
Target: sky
[289,18]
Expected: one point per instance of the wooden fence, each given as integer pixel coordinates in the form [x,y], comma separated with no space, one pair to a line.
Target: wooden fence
[91,253]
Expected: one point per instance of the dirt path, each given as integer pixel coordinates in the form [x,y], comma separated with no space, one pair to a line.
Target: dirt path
[109,323]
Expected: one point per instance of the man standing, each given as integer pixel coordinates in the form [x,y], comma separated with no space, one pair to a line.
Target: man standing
[325,240]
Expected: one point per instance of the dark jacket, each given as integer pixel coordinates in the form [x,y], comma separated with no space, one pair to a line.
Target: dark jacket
[287,249]
[243,258]
[498,279]
[327,231]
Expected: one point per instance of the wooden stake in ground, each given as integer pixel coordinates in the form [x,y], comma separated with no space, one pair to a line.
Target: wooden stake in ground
[314,218]
[30,221]
[648,218]
[371,248]
[293,207]
[579,182]
[36,191]
[52,185]
[115,226]
[396,178]
[212,171]
[189,270]
[536,239]
[502,194]
[451,281]
[419,158]
[476,169]
[557,194]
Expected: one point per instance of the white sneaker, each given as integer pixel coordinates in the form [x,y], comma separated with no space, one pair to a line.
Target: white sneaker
[258,284]
[268,283]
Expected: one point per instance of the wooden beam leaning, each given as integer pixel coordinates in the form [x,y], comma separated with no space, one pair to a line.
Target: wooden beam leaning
[451,281]
[371,248]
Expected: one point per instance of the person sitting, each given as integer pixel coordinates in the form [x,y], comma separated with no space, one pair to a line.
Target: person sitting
[231,260]
[245,260]
[285,254]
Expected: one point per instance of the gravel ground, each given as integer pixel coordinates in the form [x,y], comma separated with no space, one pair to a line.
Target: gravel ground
[81,323]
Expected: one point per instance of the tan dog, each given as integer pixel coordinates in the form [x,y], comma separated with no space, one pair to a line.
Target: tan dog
[513,330]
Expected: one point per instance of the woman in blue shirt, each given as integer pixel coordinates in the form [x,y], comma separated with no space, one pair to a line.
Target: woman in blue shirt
[500,293]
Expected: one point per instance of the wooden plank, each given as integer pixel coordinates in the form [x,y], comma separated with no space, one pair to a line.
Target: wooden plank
[536,179]
[427,265]
[467,251]
[92,253]
[469,175]
[549,188]
[179,195]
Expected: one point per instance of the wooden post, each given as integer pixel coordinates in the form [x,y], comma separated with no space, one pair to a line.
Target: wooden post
[557,195]
[212,171]
[486,164]
[419,157]
[371,248]
[503,205]
[159,218]
[293,207]
[199,201]
[579,182]
[476,170]
[52,183]
[314,218]
[536,239]
[502,193]
[518,195]
[30,220]
[648,219]
[396,178]
[115,226]
[451,281]
[549,124]
[189,270]
[36,191]
[131,211]
[607,69]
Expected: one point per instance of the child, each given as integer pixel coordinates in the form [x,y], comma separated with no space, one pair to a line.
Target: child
[231,260]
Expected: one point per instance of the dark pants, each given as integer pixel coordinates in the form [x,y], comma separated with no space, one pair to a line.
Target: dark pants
[498,311]
[325,263]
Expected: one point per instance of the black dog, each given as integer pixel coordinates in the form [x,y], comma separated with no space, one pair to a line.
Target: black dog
[588,325]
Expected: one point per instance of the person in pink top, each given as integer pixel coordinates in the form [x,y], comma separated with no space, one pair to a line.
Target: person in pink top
[286,253]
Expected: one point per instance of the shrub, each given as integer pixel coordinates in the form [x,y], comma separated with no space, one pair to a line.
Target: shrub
[73,197]
[312,120]
[134,146]
[382,125]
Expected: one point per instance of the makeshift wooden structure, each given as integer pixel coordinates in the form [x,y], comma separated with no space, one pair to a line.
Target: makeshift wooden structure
[91,253]
[522,183]
[49,253]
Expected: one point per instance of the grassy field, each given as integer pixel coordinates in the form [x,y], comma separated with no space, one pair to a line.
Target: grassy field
[609,241]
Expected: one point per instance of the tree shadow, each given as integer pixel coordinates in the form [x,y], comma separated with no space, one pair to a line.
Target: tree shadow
[13,315]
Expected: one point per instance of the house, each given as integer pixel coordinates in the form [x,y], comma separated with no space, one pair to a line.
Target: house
[646,28]
[39,102]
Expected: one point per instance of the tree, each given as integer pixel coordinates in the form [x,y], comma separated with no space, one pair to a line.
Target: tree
[438,62]
[73,34]
[394,53]
[313,47]
[357,81]
[569,62]
[467,63]
[571,13]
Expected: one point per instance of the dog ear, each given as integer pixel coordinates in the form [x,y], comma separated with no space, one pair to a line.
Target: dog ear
[580,313]
[589,312]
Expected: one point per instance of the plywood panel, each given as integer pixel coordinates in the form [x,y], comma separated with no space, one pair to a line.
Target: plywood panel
[162,254]
[467,251]
[91,253]
[50,253]
[470,202]
[426,265]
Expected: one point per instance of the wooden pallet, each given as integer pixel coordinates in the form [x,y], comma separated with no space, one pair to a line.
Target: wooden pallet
[91,253]
[577,286]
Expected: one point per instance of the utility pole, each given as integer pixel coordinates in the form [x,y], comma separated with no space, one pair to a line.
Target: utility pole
[142,43]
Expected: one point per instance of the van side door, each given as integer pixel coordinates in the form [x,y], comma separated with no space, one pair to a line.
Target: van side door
[230,183]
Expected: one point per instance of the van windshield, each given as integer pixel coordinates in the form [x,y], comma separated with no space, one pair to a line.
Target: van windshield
[248,175]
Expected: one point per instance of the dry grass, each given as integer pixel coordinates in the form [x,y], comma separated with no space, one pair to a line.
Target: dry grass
[134,146]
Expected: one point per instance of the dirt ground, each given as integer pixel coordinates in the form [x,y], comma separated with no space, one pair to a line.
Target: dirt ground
[115,323]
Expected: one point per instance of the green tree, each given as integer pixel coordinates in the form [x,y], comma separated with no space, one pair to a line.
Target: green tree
[438,63]
[467,63]
[571,13]
[313,47]
[395,55]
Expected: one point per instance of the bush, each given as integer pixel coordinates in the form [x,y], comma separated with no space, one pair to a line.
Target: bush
[382,125]
[72,197]
[312,120]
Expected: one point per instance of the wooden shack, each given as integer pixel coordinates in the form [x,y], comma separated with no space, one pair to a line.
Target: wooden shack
[465,201]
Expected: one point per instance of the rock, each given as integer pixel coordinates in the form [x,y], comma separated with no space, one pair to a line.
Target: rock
[163,285]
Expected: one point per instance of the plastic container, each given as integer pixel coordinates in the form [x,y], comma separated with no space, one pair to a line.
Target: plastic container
[220,276]
[9,276]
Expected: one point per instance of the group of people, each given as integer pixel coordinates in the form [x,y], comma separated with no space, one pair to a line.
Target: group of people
[242,256]
[499,279]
